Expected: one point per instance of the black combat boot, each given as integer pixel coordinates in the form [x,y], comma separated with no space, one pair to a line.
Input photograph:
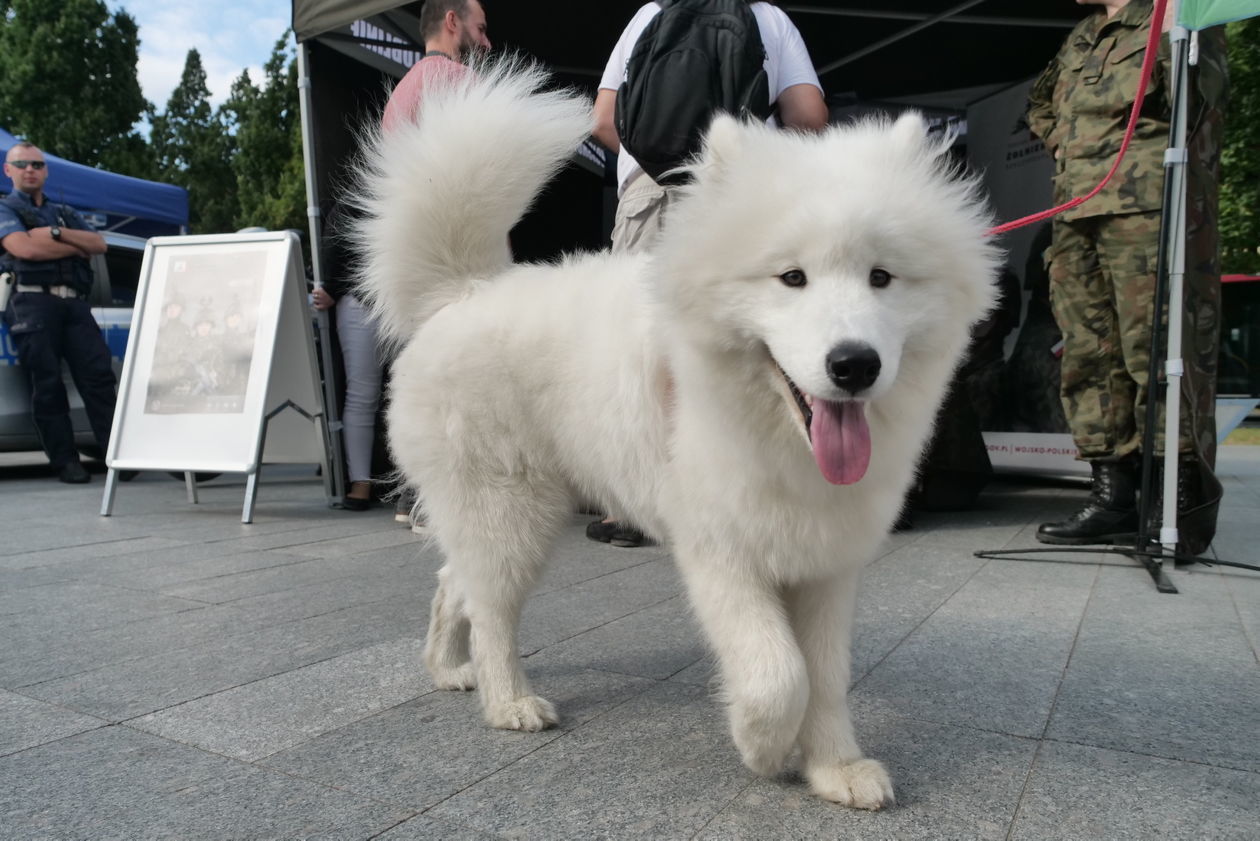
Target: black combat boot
[1110,514]
[1199,495]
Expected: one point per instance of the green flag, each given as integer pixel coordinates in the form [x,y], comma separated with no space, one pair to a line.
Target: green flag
[1200,14]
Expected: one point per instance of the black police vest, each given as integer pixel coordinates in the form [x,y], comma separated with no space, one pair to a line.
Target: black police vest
[75,272]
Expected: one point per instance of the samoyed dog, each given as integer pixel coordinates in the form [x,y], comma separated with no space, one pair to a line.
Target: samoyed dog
[754,393]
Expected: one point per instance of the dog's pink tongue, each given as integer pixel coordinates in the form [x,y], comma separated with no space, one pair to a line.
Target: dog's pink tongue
[841,439]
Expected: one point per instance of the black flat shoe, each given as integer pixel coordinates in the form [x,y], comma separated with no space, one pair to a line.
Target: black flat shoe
[354,503]
[601,532]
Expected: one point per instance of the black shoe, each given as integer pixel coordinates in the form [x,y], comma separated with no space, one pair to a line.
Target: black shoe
[1109,515]
[354,503]
[615,532]
[73,473]
[1199,495]
[602,532]
[627,537]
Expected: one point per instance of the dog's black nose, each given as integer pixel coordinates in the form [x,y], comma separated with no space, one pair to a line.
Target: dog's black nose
[853,366]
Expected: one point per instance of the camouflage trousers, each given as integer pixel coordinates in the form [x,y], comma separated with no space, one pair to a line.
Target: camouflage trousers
[1102,288]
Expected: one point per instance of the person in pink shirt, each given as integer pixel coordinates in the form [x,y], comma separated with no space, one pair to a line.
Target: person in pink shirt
[453,30]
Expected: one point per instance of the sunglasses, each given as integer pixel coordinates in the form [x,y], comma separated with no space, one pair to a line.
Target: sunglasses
[36,165]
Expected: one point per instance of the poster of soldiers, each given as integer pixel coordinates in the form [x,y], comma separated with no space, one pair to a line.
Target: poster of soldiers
[206,333]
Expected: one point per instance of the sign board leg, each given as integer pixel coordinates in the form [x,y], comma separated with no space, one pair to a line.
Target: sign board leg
[190,483]
[111,485]
[251,493]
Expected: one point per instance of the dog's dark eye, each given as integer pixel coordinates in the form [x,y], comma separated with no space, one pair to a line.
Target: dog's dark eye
[880,278]
[793,277]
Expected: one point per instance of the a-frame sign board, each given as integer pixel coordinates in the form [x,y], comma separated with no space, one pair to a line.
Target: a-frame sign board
[220,373]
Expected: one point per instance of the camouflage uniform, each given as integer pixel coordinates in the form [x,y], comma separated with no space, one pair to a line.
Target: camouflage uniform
[1102,262]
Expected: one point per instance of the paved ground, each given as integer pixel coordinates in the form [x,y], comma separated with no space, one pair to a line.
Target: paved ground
[169,673]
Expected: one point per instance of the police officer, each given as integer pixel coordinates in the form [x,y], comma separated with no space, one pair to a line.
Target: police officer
[45,247]
[1102,264]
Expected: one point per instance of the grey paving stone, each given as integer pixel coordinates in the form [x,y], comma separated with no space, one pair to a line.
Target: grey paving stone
[1244,593]
[655,642]
[179,571]
[228,587]
[87,605]
[25,723]
[1081,792]
[115,784]
[1167,675]
[421,753]
[951,782]
[269,715]
[425,828]
[378,578]
[358,544]
[703,672]
[560,614]
[660,766]
[45,651]
[124,691]
[992,656]
[899,591]
[575,558]
[96,550]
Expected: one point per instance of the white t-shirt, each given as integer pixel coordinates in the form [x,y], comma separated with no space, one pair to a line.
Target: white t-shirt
[787,63]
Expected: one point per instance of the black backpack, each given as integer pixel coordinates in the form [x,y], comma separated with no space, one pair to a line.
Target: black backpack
[694,58]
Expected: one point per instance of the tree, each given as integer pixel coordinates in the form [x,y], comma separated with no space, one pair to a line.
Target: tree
[193,149]
[68,79]
[1240,154]
[268,163]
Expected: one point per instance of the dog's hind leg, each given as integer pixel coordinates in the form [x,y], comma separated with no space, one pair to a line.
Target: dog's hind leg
[821,613]
[496,545]
[763,673]
[446,651]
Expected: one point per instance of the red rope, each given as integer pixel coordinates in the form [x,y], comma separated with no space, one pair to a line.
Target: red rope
[1148,63]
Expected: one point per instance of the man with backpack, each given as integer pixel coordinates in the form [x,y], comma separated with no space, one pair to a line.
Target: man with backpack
[676,63]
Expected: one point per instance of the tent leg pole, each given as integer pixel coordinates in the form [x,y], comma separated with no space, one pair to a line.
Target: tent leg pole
[331,413]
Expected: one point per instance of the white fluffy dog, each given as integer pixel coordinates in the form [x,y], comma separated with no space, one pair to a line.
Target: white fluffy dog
[755,393]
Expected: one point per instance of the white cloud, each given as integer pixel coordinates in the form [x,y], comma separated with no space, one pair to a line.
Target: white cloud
[231,36]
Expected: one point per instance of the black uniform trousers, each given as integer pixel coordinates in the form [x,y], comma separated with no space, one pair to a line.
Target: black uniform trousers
[47,329]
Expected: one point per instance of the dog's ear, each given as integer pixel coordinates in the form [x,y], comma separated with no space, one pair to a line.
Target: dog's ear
[722,142]
[910,131]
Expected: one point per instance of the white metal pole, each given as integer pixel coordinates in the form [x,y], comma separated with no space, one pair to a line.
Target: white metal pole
[331,411]
[1175,159]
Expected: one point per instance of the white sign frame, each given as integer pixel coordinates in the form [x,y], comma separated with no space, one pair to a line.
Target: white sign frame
[220,373]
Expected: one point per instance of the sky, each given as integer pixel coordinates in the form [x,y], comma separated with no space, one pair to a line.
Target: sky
[231,35]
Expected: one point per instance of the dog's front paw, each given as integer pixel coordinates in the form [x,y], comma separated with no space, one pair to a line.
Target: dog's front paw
[529,713]
[461,678]
[863,784]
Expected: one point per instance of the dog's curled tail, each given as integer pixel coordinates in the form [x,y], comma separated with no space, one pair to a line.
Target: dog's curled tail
[440,192]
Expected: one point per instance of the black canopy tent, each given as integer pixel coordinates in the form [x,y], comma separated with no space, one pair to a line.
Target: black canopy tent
[926,52]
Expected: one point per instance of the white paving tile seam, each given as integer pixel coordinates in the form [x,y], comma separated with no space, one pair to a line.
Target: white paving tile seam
[245,631]
[855,681]
[268,703]
[1150,755]
[562,732]
[1067,661]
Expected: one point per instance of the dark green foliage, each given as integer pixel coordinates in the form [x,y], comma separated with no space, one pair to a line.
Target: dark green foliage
[1240,157]
[68,78]
[270,182]
[194,150]
[68,83]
